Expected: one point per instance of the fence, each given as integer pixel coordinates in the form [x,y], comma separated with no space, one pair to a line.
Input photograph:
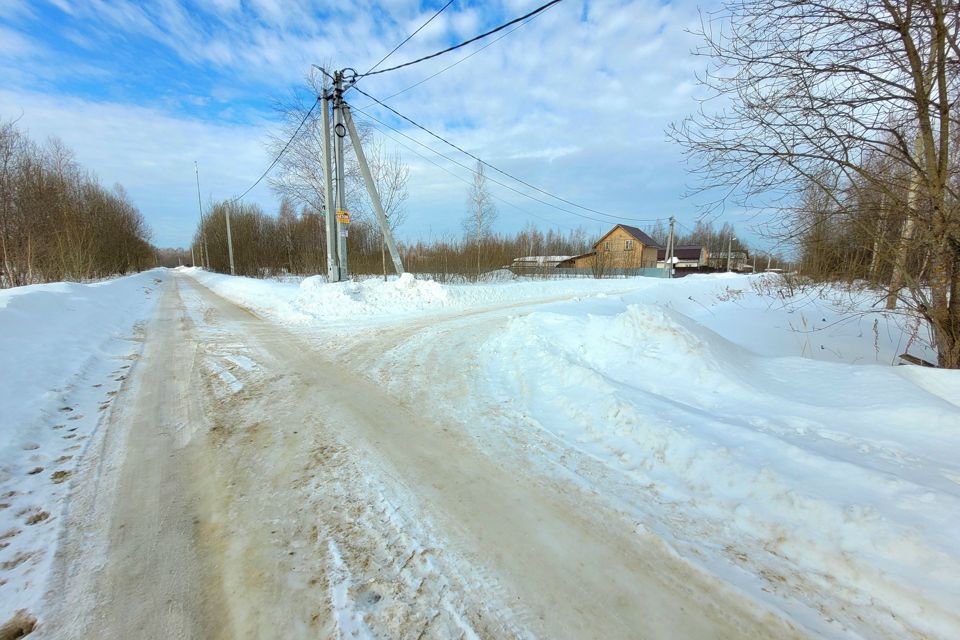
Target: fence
[569,272]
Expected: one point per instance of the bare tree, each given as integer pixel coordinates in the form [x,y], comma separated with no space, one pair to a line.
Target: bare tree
[481,212]
[12,145]
[390,175]
[600,264]
[58,222]
[300,169]
[814,89]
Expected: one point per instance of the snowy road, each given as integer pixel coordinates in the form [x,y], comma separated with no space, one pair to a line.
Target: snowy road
[267,489]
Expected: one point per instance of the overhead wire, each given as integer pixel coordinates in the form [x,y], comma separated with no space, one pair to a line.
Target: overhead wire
[463,59]
[504,173]
[493,180]
[457,176]
[684,226]
[282,151]
[407,39]
[539,9]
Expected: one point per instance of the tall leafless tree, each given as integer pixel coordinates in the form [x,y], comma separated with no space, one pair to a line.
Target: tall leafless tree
[481,212]
[390,176]
[806,89]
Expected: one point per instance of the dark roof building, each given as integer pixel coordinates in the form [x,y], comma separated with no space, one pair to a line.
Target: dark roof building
[683,251]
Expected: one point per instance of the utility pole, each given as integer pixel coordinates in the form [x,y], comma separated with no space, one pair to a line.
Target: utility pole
[337,227]
[226,213]
[668,255]
[729,249]
[204,249]
[339,130]
[372,190]
[193,259]
[333,265]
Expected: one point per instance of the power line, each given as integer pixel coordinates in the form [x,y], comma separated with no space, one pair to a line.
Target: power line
[685,227]
[472,170]
[502,172]
[282,151]
[463,59]
[459,177]
[407,39]
[466,42]
[493,180]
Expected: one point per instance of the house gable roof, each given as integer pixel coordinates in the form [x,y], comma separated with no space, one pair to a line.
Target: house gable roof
[637,234]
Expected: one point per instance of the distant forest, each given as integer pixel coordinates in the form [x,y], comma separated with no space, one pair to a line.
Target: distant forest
[57,222]
[294,242]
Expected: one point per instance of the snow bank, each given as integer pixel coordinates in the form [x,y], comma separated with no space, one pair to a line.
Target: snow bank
[759,429]
[794,478]
[372,300]
[747,310]
[64,348]
[368,297]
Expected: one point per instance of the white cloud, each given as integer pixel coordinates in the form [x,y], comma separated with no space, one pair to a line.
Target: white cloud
[576,106]
[14,46]
[150,153]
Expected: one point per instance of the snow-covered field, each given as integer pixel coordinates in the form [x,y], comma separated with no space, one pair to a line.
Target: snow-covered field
[764,435]
[815,486]
[64,351]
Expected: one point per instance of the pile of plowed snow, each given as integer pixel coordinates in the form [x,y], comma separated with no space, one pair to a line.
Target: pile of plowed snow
[747,310]
[372,300]
[820,479]
[365,297]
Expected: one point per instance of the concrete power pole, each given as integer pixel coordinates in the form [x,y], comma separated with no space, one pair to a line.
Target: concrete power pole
[339,130]
[226,213]
[204,249]
[729,249]
[337,226]
[333,264]
[668,255]
[372,190]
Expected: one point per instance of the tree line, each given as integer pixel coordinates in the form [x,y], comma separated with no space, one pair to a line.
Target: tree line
[294,242]
[57,222]
[852,230]
[842,116]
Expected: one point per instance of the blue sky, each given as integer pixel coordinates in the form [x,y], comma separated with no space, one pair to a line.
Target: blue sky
[576,101]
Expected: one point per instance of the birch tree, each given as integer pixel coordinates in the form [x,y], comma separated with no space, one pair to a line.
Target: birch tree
[481,212]
[805,89]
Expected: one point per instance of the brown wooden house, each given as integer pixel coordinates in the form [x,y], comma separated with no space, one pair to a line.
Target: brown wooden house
[623,247]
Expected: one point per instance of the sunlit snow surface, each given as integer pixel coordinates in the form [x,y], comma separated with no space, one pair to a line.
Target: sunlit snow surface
[761,431]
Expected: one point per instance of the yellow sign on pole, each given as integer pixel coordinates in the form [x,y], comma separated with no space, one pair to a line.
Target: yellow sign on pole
[343,216]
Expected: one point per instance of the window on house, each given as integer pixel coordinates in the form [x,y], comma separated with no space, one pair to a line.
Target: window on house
[606,246]
[629,246]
